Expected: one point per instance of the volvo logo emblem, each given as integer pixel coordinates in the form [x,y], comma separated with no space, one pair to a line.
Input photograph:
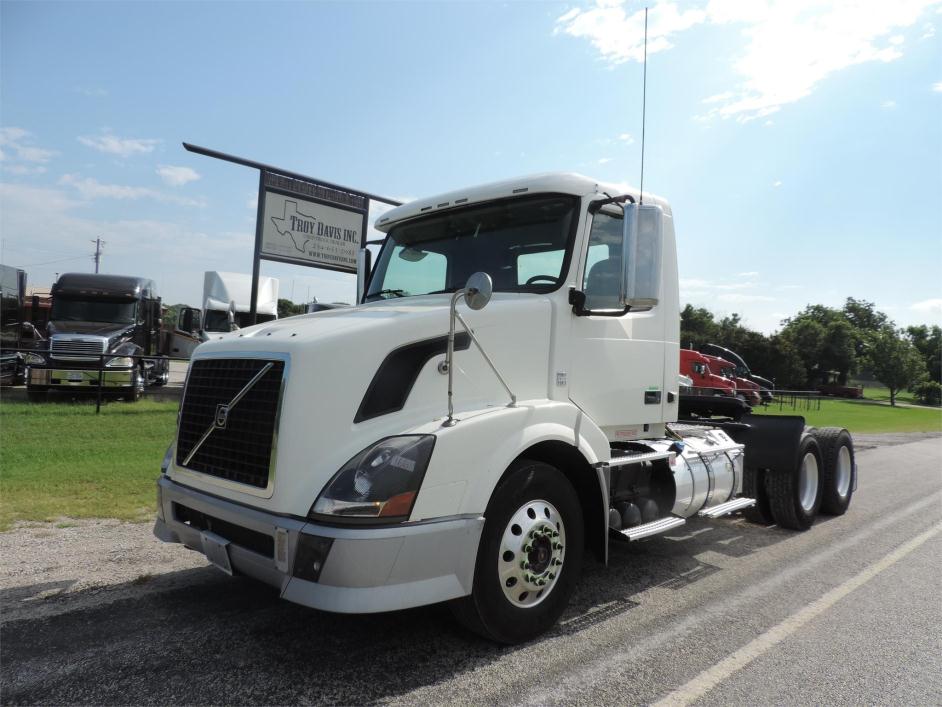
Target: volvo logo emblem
[222,416]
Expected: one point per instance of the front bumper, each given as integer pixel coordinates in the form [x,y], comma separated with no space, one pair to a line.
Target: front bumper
[81,377]
[367,569]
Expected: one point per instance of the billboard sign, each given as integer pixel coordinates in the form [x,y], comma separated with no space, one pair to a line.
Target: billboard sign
[306,223]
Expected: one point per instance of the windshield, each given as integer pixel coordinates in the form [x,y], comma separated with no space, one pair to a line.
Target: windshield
[98,310]
[523,244]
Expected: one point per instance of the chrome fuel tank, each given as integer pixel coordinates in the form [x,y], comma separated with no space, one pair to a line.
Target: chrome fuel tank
[708,471]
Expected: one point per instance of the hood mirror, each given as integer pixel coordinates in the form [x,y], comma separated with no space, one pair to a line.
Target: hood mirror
[478,291]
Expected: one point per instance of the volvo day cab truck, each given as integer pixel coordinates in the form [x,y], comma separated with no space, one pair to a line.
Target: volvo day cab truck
[502,400]
[744,388]
[97,325]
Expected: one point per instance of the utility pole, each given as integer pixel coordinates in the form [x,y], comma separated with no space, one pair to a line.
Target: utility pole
[98,244]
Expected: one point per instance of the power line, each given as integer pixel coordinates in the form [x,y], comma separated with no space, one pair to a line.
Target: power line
[50,262]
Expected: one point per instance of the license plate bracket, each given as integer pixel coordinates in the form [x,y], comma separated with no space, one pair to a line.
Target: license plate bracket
[216,549]
[75,376]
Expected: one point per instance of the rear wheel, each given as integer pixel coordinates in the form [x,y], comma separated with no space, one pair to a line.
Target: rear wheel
[837,469]
[795,494]
[529,557]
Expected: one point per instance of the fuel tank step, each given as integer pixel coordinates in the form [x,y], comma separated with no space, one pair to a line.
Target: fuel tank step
[620,458]
[653,528]
[726,508]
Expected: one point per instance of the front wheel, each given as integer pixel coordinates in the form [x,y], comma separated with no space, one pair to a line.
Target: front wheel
[529,557]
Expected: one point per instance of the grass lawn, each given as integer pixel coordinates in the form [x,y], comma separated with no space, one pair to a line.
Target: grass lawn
[865,417]
[872,392]
[61,459]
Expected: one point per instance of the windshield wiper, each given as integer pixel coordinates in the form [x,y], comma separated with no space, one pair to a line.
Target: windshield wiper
[398,293]
[439,292]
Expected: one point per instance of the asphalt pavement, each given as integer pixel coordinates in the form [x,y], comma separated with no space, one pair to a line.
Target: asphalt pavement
[715,613]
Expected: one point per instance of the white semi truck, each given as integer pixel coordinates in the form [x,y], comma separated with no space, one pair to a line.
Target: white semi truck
[503,399]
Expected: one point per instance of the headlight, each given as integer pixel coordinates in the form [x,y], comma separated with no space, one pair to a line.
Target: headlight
[120,362]
[33,359]
[382,481]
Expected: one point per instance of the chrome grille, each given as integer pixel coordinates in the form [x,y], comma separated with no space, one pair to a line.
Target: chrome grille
[241,449]
[77,349]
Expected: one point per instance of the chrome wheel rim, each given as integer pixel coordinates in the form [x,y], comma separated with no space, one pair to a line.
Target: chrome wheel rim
[808,482]
[531,554]
[843,472]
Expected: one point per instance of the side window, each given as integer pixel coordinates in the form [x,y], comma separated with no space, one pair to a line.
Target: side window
[542,267]
[415,271]
[644,276]
[603,268]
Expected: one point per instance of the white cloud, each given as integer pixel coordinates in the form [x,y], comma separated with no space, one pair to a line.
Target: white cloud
[92,92]
[177,176]
[930,307]
[777,183]
[737,298]
[605,160]
[752,274]
[618,35]
[626,138]
[928,31]
[114,145]
[888,105]
[17,141]
[937,87]
[772,74]
[90,188]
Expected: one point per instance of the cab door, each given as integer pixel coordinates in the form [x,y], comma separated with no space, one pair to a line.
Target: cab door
[619,353]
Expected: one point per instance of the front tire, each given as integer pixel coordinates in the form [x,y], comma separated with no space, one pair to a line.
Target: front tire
[529,557]
[837,459]
[795,494]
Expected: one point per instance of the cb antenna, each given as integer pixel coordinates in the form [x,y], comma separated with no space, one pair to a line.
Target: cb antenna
[644,97]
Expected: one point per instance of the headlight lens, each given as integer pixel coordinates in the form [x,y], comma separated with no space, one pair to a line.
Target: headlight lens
[382,481]
[120,362]
[33,359]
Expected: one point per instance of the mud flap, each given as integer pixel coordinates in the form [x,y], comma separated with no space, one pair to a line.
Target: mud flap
[771,447]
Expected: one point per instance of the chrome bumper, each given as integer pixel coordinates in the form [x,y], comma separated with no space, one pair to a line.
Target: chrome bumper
[366,570]
[81,377]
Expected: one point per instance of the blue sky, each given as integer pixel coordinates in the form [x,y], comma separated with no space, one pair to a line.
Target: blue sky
[800,143]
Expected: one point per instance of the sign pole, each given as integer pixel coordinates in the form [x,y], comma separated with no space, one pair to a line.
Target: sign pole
[256,258]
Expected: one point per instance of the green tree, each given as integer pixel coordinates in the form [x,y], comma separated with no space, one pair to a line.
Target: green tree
[928,341]
[825,340]
[894,360]
[287,308]
[697,327]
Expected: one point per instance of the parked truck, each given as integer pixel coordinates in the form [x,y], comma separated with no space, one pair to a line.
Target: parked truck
[766,387]
[503,398]
[98,327]
[227,304]
[745,388]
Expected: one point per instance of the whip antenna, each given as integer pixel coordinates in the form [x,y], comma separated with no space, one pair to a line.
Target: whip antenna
[644,97]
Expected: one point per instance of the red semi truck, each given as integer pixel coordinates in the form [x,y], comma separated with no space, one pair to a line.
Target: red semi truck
[748,390]
[697,366]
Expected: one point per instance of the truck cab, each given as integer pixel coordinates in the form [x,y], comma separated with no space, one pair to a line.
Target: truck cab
[498,402]
[706,379]
[98,325]
[745,389]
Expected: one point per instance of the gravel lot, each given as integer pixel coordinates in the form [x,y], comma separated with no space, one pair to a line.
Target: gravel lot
[100,612]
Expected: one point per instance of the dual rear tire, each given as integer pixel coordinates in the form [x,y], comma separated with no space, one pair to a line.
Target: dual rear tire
[821,481]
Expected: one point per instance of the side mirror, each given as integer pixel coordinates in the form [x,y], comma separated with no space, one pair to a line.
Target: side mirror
[230,316]
[478,290]
[642,239]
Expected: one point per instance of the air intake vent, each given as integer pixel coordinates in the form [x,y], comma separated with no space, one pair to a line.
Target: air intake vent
[239,447]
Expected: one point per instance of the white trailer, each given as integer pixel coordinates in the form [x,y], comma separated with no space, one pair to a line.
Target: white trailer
[423,447]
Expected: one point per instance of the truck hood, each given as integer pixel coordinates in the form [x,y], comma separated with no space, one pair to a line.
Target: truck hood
[339,359]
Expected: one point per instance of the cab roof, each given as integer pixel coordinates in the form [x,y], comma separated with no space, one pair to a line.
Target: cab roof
[546,183]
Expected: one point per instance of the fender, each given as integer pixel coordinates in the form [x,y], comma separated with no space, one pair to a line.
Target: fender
[495,437]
